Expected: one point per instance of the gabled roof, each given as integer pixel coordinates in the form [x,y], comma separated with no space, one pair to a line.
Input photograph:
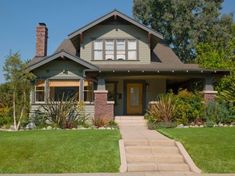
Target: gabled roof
[60,54]
[119,14]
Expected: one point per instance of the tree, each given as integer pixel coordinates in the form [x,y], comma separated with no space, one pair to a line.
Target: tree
[185,23]
[209,55]
[18,79]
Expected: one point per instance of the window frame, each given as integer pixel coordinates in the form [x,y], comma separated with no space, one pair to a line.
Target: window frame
[115,49]
[44,92]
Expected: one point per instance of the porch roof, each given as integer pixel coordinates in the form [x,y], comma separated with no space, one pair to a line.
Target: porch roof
[158,67]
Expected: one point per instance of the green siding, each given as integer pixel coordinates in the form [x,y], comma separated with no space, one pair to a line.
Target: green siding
[115,31]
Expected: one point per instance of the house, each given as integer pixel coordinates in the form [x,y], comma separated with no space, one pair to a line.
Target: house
[114,64]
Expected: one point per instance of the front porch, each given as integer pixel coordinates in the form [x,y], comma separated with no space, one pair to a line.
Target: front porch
[106,95]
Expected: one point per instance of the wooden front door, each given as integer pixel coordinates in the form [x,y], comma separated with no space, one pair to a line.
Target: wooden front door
[134,98]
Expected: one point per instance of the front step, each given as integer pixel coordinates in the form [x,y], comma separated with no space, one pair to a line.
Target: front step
[140,167]
[151,149]
[158,158]
[149,142]
[129,117]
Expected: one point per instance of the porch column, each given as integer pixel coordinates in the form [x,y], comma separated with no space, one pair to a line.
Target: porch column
[81,90]
[103,109]
[47,90]
[208,92]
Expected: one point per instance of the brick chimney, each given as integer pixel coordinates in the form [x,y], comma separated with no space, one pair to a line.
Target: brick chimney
[41,40]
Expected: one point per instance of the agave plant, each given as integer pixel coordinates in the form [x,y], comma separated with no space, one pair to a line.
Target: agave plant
[163,110]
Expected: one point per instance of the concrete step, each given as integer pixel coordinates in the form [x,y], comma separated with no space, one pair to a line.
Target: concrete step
[131,121]
[137,167]
[160,142]
[151,149]
[129,117]
[132,124]
[163,158]
[173,167]
[142,167]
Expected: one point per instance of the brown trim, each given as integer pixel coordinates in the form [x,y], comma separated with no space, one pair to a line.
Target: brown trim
[125,82]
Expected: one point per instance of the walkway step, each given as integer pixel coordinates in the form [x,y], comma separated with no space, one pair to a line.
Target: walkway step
[137,167]
[131,121]
[129,117]
[149,142]
[151,149]
[173,167]
[164,158]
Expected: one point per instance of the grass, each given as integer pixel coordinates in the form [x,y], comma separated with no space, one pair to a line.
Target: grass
[212,149]
[59,151]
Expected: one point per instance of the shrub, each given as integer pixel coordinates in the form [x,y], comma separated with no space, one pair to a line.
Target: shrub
[188,107]
[209,124]
[163,110]
[99,122]
[219,112]
[65,113]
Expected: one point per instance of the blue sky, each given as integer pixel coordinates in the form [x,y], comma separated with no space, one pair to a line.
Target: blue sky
[18,19]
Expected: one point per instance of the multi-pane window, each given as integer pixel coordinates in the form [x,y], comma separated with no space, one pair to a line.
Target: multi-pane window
[40,91]
[118,49]
[131,50]
[121,49]
[109,50]
[88,91]
[98,50]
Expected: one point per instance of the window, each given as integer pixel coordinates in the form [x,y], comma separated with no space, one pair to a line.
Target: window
[132,50]
[64,90]
[111,87]
[98,50]
[119,49]
[109,50]
[88,91]
[39,91]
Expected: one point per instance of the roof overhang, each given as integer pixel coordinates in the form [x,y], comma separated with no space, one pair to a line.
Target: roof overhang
[62,54]
[114,14]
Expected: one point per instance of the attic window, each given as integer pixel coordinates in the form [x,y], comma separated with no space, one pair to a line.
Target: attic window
[115,49]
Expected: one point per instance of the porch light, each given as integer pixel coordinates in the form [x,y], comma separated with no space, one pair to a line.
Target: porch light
[173,71]
[187,71]
[215,71]
[113,71]
[201,71]
[100,71]
[128,71]
[143,71]
[158,71]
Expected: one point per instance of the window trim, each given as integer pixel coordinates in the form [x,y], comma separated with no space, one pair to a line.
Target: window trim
[44,92]
[115,49]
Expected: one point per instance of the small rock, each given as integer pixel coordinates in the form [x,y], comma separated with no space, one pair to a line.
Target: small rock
[231,125]
[215,125]
[221,125]
[49,128]
[44,128]
[186,126]
[180,126]
[74,128]
[48,122]
[101,128]
[225,125]
[109,128]
[201,126]
[30,126]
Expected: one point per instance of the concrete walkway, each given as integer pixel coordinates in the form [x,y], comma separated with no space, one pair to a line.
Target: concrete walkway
[147,150]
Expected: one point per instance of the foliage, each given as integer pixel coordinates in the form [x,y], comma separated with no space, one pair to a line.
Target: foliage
[209,124]
[185,23]
[19,81]
[59,151]
[100,122]
[83,116]
[163,110]
[65,113]
[152,125]
[219,112]
[188,107]
[112,124]
[228,94]
[212,149]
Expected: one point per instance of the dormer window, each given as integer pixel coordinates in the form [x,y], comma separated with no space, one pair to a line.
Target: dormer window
[109,50]
[115,49]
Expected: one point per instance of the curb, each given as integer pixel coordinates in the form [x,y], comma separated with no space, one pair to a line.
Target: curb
[187,158]
[123,167]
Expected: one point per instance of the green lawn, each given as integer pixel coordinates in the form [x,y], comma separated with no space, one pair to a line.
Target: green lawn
[59,151]
[212,149]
